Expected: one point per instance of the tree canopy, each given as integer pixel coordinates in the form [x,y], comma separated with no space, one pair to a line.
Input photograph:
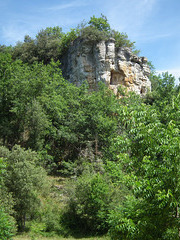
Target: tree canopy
[52,43]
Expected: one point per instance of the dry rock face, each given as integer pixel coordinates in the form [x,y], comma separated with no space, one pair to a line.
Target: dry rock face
[106,63]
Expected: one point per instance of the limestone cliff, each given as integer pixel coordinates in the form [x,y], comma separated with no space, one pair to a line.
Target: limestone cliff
[104,62]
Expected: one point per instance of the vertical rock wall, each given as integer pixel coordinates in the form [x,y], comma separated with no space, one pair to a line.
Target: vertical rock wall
[104,62]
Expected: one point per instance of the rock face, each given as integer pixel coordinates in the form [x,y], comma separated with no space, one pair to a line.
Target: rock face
[104,62]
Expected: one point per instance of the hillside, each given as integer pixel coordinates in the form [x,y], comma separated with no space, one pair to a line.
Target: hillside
[75,158]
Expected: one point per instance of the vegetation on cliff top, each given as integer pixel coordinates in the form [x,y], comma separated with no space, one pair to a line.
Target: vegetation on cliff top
[52,43]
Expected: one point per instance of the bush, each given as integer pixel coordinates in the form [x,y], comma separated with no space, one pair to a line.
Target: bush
[121,39]
[89,203]
[7,226]
[92,34]
[7,223]
[50,216]
[171,234]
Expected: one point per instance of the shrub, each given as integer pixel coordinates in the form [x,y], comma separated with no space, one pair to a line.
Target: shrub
[89,203]
[94,35]
[50,216]
[7,225]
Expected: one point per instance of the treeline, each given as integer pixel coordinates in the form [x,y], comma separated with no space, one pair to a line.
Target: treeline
[52,42]
[120,155]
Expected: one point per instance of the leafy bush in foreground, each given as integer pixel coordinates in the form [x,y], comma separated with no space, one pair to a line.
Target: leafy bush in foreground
[7,225]
[89,204]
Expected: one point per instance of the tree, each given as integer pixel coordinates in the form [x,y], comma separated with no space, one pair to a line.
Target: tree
[165,97]
[20,85]
[100,23]
[25,180]
[151,172]
[42,111]
[48,43]
[52,43]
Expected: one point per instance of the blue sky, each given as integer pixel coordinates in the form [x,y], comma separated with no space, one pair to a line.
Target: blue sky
[153,24]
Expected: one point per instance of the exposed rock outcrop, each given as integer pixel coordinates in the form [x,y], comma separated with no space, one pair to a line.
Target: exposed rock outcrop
[104,62]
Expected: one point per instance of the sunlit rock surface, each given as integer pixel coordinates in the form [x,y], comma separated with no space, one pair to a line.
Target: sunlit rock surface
[85,61]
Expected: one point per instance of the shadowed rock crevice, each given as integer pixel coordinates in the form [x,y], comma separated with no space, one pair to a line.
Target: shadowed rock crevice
[117,78]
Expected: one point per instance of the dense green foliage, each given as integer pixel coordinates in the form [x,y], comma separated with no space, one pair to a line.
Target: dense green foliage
[42,111]
[7,223]
[120,156]
[7,227]
[100,23]
[49,43]
[24,179]
[90,199]
[99,29]
[152,172]
[52,43]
